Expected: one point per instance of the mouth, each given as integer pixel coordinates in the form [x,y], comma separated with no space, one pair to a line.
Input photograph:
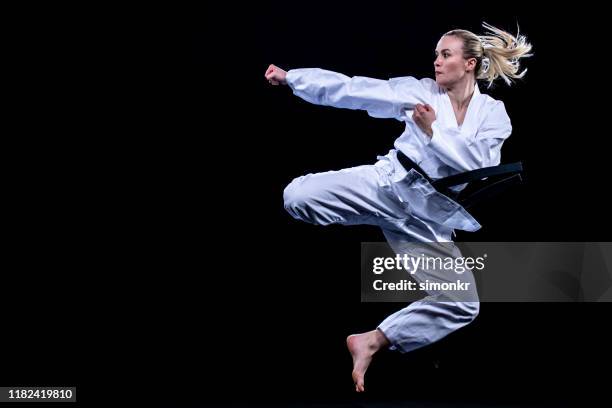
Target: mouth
[438,73]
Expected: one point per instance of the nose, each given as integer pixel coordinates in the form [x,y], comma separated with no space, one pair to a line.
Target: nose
[437,62]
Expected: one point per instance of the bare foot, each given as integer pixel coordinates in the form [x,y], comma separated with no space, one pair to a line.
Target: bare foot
[362,347]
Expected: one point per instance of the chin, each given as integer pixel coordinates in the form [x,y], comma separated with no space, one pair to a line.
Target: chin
[441,83]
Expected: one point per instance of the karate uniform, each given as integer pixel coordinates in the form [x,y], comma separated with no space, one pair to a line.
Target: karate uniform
[403,203]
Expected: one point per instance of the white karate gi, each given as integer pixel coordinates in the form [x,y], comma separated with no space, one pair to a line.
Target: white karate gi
[403,204]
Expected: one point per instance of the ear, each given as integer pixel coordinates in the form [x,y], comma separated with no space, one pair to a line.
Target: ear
[470,64]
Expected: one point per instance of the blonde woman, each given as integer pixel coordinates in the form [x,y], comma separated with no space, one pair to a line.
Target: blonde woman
[451,127]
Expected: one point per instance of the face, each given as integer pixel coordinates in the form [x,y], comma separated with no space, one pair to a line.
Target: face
[450,66]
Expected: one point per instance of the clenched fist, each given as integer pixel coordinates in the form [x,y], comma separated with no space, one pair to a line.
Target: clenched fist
[276,76]
[424,116]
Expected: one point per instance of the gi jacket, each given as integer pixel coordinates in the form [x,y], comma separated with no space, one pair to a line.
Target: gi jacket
[452,149]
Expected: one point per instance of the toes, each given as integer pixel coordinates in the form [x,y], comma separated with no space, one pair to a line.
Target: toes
[360,387]
[358,381]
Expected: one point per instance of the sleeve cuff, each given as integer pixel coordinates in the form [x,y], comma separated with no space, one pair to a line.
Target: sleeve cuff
[292,75]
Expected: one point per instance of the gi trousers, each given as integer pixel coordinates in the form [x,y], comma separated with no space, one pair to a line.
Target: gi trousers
[362,195]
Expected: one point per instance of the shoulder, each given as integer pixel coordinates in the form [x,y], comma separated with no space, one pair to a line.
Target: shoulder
[431,85]
[494,109]
[412,84]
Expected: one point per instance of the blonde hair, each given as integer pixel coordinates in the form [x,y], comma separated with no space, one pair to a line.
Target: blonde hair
[497,53]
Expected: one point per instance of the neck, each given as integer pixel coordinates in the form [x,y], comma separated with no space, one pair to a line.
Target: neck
[461,92]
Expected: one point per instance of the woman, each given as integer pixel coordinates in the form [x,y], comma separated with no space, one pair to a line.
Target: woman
[450,128]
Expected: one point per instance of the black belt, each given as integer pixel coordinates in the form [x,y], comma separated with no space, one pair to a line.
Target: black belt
[408,164]
[480,189]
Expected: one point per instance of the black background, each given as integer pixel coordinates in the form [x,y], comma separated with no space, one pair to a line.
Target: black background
[146,180]
[296,297]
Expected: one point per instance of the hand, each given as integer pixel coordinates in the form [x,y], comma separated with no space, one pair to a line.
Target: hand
[276,76]
[424,116]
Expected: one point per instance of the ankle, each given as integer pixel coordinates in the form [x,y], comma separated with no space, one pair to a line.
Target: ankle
[380,339]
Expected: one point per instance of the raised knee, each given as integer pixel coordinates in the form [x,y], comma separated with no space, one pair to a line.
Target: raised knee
[296,198]
[292,195]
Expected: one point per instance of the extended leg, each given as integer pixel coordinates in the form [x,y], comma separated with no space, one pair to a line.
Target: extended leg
[349,196]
